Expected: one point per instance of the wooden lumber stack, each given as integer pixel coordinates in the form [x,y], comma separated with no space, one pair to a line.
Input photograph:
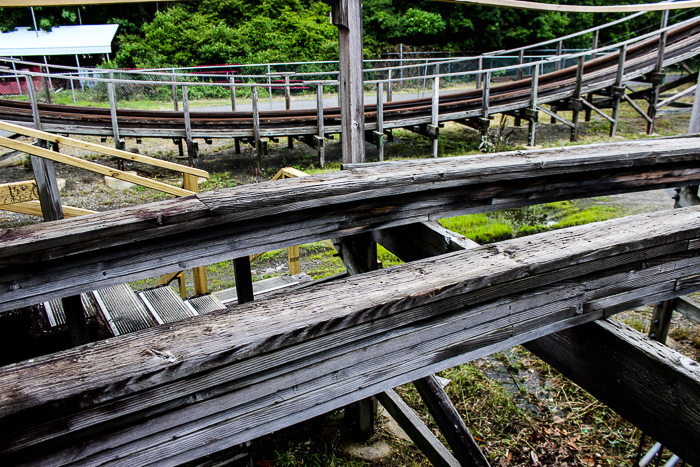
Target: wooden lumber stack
[96,251]
[179,391]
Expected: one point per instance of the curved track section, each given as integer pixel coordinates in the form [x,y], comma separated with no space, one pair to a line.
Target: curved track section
[682,43]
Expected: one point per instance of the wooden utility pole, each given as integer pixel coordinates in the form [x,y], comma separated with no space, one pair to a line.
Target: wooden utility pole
[347,16]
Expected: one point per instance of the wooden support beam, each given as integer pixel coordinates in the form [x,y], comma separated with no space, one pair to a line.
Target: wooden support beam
[531,125]
[576,101]
[118,141]
[451,425]
[618,89]
[244,280]
[18,192]
[320,136]
[635,107]
[34,208]
[555,116]
[380,119]
[421,240]
[268,364]
[687,308]
[212,227]
[655,388]
[347,16]
[256,129]
[435,108]
[174,88]
[597,110]
[45,154]
[76,143]
[437,454]
[189,142]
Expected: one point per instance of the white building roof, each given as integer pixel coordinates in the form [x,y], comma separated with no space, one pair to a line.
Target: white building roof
[63,40]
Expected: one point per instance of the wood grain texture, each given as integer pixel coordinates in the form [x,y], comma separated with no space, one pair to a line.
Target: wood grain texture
[134,243]
[647,383]
[170,393]
[525,5]
[18,192]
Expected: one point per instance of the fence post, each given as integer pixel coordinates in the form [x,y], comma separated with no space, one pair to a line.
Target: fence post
[256,129]
[191,147]
[19,86]
[118,143]
[320,138]
[521,60]
[389,87]
[480,65]
[435,108]
[533,106]
[172,78]
[657,76]
[72,91]
[576,101]
[269,84]
[618,90]
[232,80]
[47,92]
[559,63]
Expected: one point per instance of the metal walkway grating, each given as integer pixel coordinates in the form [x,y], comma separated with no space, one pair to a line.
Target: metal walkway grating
[123,310]
[165,305]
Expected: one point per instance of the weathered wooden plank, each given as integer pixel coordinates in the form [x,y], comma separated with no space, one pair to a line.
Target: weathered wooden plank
[647,383]
[687,308]
[588,249]
[477,333]
[153,239]
[18,192]
[34,208]
[93,167]
[426,441]
[347,16]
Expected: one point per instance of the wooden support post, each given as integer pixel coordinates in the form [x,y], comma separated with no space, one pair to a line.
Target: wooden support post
[531,124]
[559,63]
[52,210]
[435,108]
[661,321]
[480,65]
[320,137]
[359,254]
[657,75]
[288,105]
[594,46]
[293,260]
[188,127]
[75,320]
[347,16]
[437,454]
[180,149]
[576,100]
[232,80]
[45,80]
[237,145]
[618,89]
[256,129]
[451,425]
[652,386]
[244,279]
[421,240]
[118,143]
[175,99]
[380,119]
[485,94]
[694,126]
[521,60]
[200,273]
[389,87]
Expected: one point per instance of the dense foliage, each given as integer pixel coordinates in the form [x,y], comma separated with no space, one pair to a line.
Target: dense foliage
[254,31]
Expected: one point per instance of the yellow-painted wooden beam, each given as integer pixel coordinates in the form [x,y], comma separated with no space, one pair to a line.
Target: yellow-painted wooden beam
[28,3]
[34,208]
[91,166]
[18,192]
[76,143]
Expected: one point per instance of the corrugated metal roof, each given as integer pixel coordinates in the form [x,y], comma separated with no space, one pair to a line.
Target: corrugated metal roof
[63,40]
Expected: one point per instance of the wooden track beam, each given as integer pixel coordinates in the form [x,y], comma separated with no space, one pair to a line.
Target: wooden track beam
[652,386]
[236,222]
[172,393]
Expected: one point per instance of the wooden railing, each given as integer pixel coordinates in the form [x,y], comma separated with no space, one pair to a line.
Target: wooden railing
[22,197]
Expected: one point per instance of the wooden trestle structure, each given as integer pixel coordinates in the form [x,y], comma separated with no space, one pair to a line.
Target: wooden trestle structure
[176,392]
[173,393]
